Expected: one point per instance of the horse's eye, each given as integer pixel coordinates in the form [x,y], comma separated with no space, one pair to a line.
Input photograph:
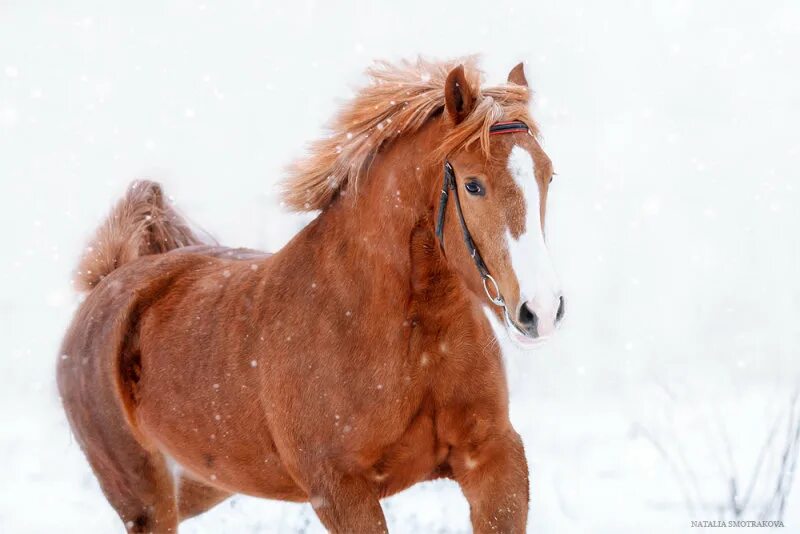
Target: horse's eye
[474,187]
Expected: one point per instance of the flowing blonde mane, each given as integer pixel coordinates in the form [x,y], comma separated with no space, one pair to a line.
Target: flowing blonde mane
[400,99]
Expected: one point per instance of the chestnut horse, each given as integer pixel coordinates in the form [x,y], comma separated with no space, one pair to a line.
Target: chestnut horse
[354,362]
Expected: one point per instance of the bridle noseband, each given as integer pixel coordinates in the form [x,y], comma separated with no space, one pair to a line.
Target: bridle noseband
[449,183]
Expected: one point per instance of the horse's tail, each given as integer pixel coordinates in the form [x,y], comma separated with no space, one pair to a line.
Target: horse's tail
[141,223]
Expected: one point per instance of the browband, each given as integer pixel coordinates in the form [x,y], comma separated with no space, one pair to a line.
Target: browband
[508,127]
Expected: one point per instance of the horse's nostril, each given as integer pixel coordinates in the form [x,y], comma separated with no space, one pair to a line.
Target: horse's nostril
[526,316]
[560,312]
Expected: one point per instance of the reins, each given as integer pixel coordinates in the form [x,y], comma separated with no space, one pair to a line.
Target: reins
[449,183]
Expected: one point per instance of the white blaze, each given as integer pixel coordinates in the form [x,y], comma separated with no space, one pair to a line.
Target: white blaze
[530,260]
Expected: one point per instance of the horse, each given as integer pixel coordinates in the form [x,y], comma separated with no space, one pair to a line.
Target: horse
[356,361]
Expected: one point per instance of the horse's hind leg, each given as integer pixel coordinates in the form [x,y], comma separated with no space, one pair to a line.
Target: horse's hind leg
[98,378]
[139,486]
[135,479]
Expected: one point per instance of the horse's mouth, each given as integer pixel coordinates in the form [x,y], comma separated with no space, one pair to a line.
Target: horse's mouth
[526,342]
[521,338]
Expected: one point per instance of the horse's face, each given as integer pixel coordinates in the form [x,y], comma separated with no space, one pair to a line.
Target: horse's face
[504,199]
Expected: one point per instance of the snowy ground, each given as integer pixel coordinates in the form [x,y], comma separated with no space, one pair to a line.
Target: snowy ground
[673,222]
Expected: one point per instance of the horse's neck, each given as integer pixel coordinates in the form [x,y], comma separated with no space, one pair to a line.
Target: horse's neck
[367,236]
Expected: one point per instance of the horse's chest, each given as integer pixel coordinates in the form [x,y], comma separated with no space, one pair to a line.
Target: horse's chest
[414,456]
[437,421]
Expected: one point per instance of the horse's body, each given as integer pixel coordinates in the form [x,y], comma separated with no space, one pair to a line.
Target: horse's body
[351,364]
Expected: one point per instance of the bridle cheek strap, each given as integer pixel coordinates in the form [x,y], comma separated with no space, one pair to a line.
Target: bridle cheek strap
[449,184]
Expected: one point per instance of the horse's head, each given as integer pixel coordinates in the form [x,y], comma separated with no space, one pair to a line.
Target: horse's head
[502,195]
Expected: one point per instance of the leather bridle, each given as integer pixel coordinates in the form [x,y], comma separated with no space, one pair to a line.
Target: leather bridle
[449,183]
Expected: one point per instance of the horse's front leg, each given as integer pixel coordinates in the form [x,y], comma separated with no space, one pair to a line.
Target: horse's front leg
[346,504]
[494,478]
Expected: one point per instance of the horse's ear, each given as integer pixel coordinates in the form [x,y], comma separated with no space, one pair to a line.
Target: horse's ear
[459,98]
[517,75]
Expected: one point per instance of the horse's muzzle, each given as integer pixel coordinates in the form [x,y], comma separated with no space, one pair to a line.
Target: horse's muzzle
[535,322]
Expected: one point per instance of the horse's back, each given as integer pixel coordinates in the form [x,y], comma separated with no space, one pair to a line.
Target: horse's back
[228,253]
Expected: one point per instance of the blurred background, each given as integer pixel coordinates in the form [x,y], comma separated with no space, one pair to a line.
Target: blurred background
[670,394]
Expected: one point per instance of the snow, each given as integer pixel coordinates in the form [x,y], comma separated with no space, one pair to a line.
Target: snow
[672,223]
